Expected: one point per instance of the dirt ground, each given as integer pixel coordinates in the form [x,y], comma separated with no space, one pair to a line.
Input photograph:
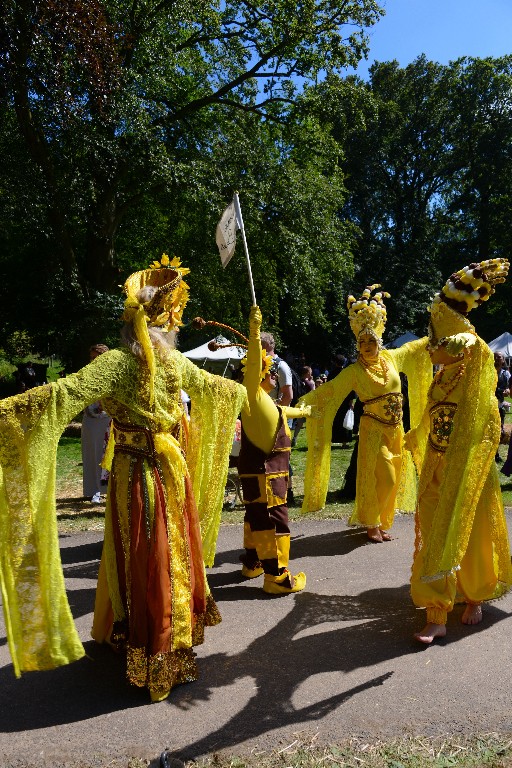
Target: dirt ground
[334,661]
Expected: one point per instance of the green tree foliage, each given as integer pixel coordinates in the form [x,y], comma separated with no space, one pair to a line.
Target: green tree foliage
[425,151]
[479,199]
[119,108]
[396,158]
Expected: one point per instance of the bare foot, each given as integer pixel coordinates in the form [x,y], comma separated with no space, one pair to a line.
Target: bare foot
[472,614]
[385,535]
[374,535]
[430,632]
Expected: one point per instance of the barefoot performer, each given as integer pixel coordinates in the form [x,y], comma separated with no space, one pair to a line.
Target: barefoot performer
[385,476]
[462,549]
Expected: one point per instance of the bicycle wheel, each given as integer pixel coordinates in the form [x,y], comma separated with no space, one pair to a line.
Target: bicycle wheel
[230,493]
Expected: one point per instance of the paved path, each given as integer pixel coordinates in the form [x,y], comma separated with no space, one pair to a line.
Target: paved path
[336,660]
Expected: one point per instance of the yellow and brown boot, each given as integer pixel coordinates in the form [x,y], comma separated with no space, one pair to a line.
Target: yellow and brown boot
[284,582]
[251,565]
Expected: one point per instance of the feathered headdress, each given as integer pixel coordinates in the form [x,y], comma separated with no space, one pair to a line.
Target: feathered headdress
[367,315]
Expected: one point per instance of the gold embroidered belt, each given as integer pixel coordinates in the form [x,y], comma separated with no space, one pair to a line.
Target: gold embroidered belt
[387,408]
[441,425]
[135,440]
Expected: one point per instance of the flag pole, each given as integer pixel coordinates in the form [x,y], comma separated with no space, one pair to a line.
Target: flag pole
[238,212]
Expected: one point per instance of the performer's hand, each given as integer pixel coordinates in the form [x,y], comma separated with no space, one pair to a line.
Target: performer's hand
[255,318]
[306,410]
[459,342]
[314,411]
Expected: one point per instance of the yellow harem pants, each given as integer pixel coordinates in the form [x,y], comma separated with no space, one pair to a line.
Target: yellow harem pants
[477,578]
[378,474]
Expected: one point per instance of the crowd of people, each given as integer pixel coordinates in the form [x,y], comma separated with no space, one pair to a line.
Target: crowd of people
[167,471]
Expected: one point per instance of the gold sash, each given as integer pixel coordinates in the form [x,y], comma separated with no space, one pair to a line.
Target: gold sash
[441,425]
[387,408]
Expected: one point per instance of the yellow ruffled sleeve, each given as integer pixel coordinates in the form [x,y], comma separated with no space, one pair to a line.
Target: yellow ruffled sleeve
[40,628]
[413,360]
[324,403]
[216,403]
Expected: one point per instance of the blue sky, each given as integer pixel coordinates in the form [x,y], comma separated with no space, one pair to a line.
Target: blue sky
[443,30]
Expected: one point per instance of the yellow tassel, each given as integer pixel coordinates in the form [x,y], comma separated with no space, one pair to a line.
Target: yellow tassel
[141,331]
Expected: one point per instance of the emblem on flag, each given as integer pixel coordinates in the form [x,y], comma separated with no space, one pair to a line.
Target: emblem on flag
[226,234]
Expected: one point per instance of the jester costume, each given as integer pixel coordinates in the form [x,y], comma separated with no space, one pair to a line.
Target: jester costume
[385,474]
[163,504]
[263,466]
[462,550]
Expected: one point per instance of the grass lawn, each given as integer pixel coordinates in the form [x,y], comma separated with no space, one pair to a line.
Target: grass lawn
[74,513]
[491,750]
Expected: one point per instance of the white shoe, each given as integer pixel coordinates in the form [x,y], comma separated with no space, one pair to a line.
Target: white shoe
[96,499]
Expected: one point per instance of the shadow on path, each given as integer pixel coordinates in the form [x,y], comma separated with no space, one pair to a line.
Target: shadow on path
[323,545]
[329,635]
[303,645]
[91,687]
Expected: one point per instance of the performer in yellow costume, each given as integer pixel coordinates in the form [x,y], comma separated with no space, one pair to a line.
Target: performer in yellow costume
[385,475]
[462,549]
[152,596]
[263,466]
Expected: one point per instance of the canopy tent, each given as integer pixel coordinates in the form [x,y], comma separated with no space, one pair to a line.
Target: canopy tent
[218,360]
[401,340]
[502,344]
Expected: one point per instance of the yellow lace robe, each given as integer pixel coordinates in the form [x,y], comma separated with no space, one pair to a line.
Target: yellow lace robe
[370,508]
[469,489]
[40,628]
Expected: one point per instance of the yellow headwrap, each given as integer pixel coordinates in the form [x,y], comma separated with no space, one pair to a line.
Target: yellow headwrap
[462,292]
[163,311]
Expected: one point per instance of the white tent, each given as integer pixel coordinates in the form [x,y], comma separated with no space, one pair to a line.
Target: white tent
[231,352]
[502,344]
[218,360]
[408,336]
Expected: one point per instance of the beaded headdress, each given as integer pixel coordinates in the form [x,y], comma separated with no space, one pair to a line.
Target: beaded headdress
[462,292]
[367,315]
[163,310]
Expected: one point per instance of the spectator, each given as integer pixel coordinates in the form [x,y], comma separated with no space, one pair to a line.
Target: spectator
[282,394]
[95,431]
[306,376]
[502,391]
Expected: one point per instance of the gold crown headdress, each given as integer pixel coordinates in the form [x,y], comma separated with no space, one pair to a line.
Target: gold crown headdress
[163,310]
[462,292]
[367,315]
[266,360]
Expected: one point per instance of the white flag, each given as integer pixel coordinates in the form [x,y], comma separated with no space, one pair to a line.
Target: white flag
[226,234]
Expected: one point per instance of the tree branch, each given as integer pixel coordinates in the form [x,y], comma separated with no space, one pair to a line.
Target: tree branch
[196,104]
